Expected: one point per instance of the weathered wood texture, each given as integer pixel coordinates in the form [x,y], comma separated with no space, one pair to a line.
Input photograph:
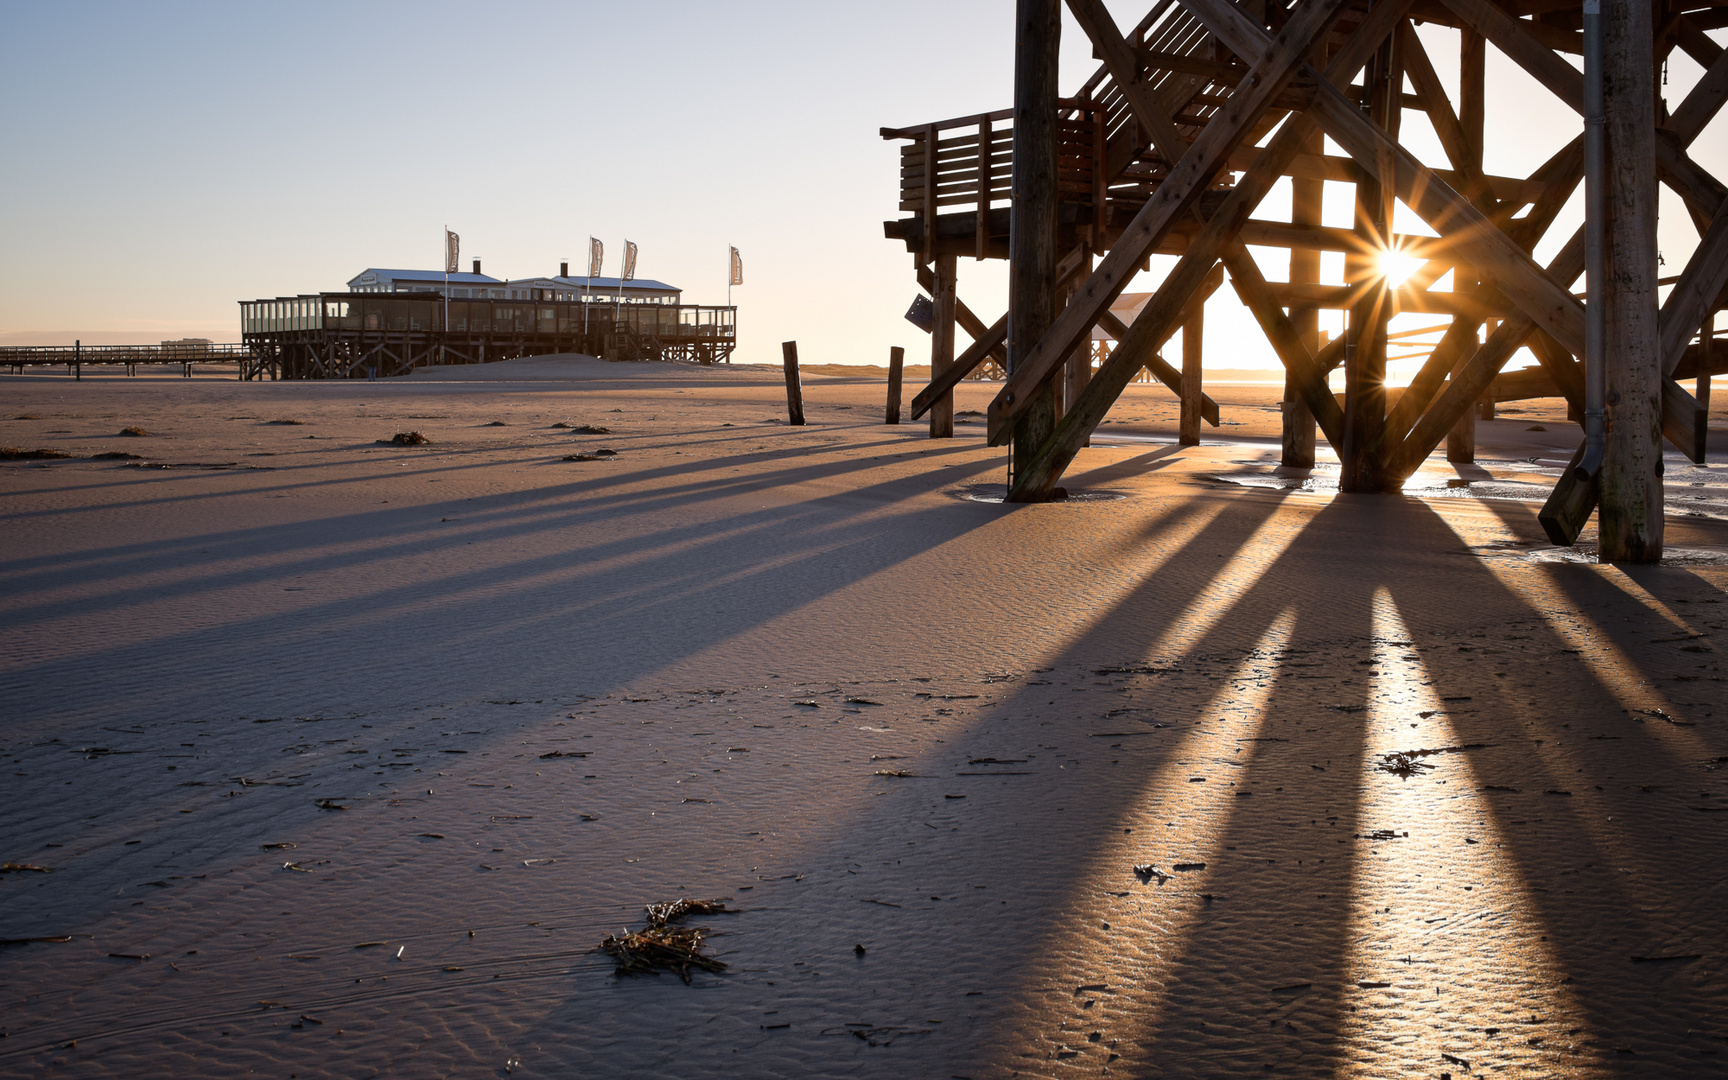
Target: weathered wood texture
[794,384]
[945,302]
[1032,226]
[896,371]
[1629,519]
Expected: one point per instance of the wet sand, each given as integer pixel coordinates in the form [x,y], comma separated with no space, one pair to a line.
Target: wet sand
[344,756]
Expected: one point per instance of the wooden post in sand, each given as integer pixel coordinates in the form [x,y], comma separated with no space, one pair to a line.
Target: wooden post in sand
[1629,515]
[1032,218]
[1307,195]
[1188,419]
[1704,358]
[794,389]
[946,306]
[896,366]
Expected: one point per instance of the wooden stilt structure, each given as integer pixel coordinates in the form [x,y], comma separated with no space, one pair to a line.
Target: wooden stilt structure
[1196,111]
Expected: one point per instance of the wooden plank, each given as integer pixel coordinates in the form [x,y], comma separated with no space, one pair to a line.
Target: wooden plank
[896,370]
[1032,252]
[1702,102]
[987,343]
[1188,411]
[1304,371]
[945,302]
[1297,424]
[1187,180]
[1693,296]
[794,386]
[1454,139]
[1448,213]
[1137,347]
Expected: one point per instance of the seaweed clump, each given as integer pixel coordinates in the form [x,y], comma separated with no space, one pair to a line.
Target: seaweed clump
[664,946]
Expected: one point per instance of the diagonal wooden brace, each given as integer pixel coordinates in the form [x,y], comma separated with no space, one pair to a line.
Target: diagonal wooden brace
[1175,196]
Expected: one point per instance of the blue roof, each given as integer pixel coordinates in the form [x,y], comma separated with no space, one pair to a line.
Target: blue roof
[427,275]
[613,283]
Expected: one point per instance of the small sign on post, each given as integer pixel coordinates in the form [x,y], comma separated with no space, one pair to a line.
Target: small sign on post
[896,366]
[794,388]
[922,313]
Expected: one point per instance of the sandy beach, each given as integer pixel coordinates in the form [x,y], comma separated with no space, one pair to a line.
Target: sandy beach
[333,757]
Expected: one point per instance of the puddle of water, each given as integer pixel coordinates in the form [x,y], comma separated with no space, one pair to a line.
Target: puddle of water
[996,493]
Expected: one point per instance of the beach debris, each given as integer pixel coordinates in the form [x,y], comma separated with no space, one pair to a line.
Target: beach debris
[894,772]
[858,950]
[1183,867]
[565,753]
[590,429]
[328,804]
[134,432]
[116,455]
[14,453]
[405,438]
[26,416]
[286,423]
[496,423]
[663,946]
[1405,764]
[563,424]
[1146,872]
[596,455]
[296,867]
[24,868]
[55,939]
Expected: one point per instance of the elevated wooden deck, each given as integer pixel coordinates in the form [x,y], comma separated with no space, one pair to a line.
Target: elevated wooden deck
[1196,112]
[356,335]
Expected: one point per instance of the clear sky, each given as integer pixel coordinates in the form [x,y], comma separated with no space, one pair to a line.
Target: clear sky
[167,160]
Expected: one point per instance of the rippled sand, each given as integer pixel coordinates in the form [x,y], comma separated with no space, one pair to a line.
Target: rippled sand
[345,756]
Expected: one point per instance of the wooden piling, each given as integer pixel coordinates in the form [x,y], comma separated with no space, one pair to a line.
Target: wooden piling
[1472,112]
[1188,420]
[1307,195]
[1705,355]
[1629,521]
[1032,216]
[945,314]
[896,368]
[794,388]
[1365,355]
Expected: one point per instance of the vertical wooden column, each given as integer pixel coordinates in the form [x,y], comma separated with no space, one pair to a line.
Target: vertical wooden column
[794,384]
[1032,214]
[1365,355]
[1188,419]
[1306,199]
[942,343]
[1706,351]
[1077,370]
[1630,512]
[896,370]
[1472,73]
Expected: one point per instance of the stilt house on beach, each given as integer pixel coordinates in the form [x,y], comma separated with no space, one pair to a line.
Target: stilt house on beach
[1196,111]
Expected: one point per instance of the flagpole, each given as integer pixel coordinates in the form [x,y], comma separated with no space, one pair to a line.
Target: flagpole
[446,277]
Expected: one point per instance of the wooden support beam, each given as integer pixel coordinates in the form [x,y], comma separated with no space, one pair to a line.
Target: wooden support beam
[1448,213]
[1472,107]
[1032,224]
[1461,149]
[982,348]
[1296,425]
[1188,414]
[1159,368]
[942,342]
[896,370]
[1176,195]
[794,384]
[1137,346]
[1304,372]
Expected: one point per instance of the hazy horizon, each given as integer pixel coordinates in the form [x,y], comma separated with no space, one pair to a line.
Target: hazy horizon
[183,158]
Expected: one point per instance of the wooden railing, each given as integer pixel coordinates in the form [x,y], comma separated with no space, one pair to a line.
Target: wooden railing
[178,353]
[1105,158]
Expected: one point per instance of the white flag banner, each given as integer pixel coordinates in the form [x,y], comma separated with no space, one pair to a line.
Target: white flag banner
[596,256]
[452,251]
[629,261]
[737,275]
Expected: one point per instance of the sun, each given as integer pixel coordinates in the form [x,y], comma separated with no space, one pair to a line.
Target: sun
[1396,266]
